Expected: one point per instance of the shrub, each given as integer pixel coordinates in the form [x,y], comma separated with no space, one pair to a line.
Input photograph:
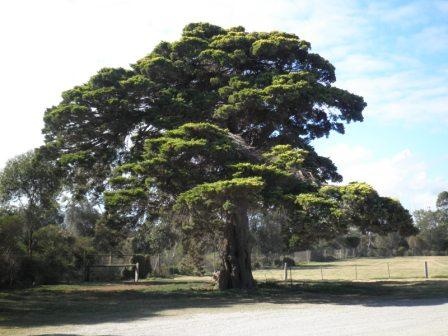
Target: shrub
[278,263]
[144,263]
[12,249]
[289,261]
[54,254]
[402,251]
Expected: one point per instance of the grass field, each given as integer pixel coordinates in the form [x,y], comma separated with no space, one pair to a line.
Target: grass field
[363,269]
[34,311]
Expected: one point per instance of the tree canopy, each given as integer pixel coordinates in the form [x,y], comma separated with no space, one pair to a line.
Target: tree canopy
[266,87]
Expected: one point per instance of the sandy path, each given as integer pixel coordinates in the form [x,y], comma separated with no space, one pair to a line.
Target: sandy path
[405,317]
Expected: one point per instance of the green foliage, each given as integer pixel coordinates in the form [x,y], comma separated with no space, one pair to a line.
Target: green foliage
[235,79]
[288,261]
[267,229]
[144,265]
[154,238]
[29,183]
[365,209]
[207,204]
[332,210]
[221,193]
[80,218]
[29,180]
[53,254]
[57,254]
[12,249]
[352,241]
[442,200]
[433,226]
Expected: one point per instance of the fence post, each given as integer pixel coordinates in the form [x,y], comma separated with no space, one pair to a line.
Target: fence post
[321,273]
[84,265]
[426,270]
[356,272]
[286,271]
[136,272]
[290,275]
[388,270]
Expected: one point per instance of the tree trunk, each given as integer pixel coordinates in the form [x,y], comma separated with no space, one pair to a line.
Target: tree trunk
[29,242]
[236,269]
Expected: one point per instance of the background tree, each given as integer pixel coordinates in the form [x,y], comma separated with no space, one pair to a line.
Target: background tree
[267,228]
[442,201]
[80,217]
[29,184]
[12,247]
[433,225]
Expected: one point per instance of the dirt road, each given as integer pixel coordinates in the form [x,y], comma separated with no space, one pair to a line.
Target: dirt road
[400,317]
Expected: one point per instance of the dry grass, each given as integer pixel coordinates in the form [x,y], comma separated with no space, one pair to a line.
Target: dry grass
[34,310]
[363,269]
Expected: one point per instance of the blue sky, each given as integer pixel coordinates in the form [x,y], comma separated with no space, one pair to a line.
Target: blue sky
[393,53]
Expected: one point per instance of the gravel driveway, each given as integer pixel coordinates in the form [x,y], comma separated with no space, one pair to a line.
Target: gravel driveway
[403,317]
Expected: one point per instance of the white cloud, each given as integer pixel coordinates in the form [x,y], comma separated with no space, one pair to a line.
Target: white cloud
[403,15]
[432,39]
[409,96]
[442,6]
[403,175]
[353,65]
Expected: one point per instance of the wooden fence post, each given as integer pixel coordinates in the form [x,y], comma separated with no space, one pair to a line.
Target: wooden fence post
[286,271]
[136,272]
[426,270]
[388,270]
[84,265]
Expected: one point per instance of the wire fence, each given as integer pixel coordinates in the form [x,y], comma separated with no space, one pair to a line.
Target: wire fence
[361,269]
[110,267]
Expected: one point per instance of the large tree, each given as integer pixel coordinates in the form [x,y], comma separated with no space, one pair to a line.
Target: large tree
[205,131]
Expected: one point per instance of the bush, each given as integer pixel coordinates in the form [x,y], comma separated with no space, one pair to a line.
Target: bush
[289,261]
[12,250]
[402,251]
[57,256]
[278,263]
[54,254]
[144,263]
[174,270]
[128,273]
[189,266]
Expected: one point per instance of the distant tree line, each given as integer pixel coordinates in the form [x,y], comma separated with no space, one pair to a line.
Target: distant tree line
[430,238]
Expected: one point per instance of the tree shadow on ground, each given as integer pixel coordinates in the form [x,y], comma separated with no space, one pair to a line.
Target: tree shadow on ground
[93,304]
[66,335]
